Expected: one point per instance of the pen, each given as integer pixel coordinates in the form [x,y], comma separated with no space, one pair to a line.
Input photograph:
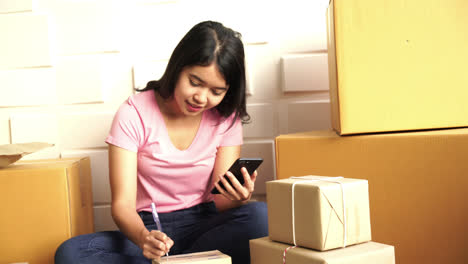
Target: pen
[156,219]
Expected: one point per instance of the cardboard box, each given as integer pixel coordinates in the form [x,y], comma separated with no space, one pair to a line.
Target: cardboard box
[207,257]
[397,66]
[322,211]
[11,153]
[266,251]
[418,185]
[45,202]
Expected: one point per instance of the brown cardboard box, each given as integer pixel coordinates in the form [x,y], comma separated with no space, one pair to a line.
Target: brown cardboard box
[11,153]
[45,202]
[319,219]
[397,65]
[266,251]
[206,257]
[418,185]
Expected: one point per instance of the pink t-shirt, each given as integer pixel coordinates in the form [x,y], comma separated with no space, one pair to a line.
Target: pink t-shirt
[171,178]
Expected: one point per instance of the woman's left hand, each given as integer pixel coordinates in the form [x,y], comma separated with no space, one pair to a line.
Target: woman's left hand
[237,191]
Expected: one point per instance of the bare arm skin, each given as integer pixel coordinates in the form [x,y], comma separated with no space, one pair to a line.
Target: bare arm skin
[123,182]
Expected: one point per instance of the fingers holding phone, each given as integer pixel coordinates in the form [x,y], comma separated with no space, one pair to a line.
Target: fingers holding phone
[239,181]
[249,180]
[233,189]
[228,181]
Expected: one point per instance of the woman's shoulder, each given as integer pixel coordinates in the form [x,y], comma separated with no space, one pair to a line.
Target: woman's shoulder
[142,104]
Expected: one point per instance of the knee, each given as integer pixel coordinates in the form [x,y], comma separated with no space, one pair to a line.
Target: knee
[258,211]
[66,252]
[258,218]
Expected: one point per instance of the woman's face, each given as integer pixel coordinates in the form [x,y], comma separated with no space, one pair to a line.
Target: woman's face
[198,89]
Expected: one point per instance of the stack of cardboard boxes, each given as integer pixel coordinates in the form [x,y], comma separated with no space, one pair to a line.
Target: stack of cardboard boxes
[398,92]
[327,218]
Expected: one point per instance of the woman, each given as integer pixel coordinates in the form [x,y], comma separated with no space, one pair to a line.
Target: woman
[170,144]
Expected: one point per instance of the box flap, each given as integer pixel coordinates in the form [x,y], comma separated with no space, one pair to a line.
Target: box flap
[10,153]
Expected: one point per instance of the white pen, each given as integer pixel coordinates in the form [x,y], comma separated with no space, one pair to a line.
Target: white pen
[156,219]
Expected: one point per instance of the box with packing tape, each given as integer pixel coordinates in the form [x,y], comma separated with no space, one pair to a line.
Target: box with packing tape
[206,257]
[318,212]
[265,251]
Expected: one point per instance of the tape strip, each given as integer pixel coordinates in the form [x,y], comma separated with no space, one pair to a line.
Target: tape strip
[308,179]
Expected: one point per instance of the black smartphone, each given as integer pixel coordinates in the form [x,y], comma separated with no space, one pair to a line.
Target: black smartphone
[251,164]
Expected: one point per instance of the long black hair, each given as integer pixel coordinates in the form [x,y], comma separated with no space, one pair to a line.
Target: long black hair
[205,43]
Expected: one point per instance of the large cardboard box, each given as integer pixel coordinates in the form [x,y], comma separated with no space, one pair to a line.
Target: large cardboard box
[319,213]
[44,203]
[265,251]
[418,185]
[397,65]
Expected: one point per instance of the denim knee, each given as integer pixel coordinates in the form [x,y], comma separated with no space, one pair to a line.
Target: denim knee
[67,252]
[100,247]
[258,219]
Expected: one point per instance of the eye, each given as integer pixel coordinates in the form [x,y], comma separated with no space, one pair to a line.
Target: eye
[217,91]
[193,83]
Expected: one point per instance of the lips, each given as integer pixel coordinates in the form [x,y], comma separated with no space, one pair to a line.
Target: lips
[193,108]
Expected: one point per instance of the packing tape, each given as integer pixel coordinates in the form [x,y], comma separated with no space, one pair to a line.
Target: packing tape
[308,179]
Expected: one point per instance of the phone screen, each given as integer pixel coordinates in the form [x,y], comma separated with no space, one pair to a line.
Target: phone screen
[251,164]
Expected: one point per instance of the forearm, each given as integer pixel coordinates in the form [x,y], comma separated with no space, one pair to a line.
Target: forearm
[223,203]
[129,223]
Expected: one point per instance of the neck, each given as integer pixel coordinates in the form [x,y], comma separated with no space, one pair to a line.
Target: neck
[166,106]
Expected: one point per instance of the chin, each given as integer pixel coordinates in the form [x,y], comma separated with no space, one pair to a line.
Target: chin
[189,113]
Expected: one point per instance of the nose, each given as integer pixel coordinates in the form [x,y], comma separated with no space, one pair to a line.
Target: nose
[201,97]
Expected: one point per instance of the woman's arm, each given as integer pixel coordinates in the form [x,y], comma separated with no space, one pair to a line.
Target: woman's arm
[123,182]
[235,195]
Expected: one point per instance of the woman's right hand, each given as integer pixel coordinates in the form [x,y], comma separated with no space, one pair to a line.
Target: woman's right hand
[155,244]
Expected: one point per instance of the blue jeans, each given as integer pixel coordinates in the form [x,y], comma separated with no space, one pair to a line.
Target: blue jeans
[199,228]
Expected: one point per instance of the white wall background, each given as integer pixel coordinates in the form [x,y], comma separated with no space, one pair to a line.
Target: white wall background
[66,66]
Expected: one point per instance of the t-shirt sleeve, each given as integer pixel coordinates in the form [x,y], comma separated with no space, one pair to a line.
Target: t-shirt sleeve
[234,135]
[126,130]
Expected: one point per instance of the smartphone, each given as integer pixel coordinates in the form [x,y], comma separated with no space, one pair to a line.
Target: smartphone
[251,164]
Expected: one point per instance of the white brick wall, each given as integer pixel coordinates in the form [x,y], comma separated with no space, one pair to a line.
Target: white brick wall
[20,86]
[69,64]
[304,72]
[16,6]
[25,40]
